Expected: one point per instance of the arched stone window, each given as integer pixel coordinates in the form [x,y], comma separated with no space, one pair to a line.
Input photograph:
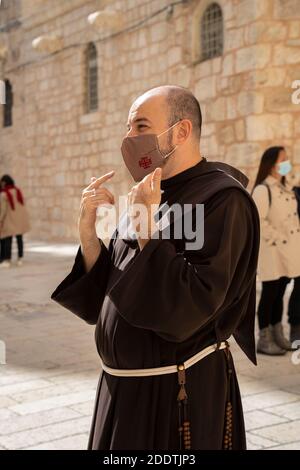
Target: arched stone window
[211,32]
[7,108]
[92,78]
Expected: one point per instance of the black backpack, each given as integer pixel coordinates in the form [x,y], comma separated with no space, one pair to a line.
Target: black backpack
[296,190]
[269,193]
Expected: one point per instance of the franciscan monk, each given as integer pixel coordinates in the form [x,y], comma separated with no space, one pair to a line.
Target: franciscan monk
[164,309]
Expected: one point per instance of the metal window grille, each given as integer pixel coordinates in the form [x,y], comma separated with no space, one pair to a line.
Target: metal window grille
[7,108]
[92,78]
[212,32]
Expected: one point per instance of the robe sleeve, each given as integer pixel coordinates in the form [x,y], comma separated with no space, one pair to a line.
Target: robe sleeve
[83,292]
[176,294]
[261,199]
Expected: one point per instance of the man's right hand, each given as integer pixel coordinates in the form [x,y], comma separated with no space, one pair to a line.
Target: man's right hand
[94,196]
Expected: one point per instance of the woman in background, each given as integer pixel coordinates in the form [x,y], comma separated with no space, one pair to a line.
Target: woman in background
[14,221]
[279,259]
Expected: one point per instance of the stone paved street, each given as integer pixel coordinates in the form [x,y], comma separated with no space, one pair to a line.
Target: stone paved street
[47,386]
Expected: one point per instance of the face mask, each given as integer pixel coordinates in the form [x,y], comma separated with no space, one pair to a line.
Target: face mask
[284,167]
[141,154]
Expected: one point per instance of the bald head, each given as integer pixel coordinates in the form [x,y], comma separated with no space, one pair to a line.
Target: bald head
[172,114]
[180,103]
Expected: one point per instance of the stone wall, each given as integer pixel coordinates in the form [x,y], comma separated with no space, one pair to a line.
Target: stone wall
[54,146]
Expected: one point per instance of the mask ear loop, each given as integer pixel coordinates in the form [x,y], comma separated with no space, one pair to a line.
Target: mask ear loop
[170,153]
[176,146]
[169,128]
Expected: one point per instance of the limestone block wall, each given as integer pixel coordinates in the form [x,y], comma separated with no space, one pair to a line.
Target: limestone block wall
[246,94]
[55,146]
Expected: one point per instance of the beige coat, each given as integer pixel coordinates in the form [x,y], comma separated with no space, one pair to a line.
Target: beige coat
[280,231]
[12,222]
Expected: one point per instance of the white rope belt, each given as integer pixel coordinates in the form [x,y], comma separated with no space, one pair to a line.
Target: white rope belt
[163,370]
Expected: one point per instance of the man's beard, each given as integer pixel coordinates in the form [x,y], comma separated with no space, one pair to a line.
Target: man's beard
[165,150]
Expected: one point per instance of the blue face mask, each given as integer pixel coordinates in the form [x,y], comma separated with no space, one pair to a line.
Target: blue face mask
[284,167]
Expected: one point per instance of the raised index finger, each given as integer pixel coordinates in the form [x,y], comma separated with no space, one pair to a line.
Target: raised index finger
[95,184]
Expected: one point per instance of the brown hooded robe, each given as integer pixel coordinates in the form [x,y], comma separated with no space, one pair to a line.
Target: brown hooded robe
[160,306]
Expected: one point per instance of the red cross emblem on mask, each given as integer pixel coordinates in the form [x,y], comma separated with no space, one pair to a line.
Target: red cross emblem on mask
[145,162]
